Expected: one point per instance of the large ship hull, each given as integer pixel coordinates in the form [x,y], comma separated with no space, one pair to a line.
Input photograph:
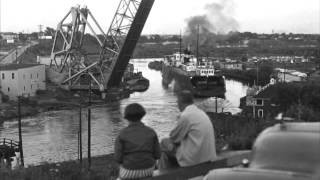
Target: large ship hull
[200,86]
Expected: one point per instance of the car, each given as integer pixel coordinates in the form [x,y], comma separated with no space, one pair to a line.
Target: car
[282,152]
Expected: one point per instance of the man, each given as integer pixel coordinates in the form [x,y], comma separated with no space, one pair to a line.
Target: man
[192,141]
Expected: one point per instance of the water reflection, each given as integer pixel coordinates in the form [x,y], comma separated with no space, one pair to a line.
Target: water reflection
[52,136]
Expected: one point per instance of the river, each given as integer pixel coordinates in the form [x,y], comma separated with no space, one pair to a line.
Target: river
[53,136]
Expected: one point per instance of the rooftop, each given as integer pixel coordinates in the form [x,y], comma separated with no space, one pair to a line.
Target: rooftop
[10,67]
[8,33]
[267,93]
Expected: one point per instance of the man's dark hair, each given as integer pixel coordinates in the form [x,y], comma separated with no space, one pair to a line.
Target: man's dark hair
[185,97]
[134,112]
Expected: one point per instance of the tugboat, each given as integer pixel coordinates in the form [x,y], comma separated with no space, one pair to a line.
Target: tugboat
[134,80]
[199,76]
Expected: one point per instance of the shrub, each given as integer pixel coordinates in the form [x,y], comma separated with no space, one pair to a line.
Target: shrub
[5,98]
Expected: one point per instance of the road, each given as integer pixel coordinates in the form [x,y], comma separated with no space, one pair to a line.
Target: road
[14,54]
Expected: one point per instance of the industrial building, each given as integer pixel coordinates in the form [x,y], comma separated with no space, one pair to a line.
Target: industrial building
[22,80]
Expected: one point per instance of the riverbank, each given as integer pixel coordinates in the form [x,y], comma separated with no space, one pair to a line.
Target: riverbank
[9,111]
[155,65]
[55,98]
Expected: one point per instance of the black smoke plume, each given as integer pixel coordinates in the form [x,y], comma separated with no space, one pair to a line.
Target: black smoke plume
[214,25]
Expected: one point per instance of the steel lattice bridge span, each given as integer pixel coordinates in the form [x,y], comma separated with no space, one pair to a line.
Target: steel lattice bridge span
[76,69]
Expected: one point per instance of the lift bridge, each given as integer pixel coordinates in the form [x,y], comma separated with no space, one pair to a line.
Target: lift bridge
[105,69]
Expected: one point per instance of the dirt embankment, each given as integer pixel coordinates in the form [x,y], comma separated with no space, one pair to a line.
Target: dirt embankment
[54,98]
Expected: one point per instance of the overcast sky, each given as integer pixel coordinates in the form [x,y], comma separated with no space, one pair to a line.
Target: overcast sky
[169,16]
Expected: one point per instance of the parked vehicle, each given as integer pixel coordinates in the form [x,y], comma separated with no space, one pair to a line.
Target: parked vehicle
[282,152]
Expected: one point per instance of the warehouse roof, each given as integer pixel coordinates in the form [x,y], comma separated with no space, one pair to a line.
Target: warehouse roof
[11,67]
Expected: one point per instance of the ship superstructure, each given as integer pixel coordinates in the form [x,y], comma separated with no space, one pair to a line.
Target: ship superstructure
[200,73]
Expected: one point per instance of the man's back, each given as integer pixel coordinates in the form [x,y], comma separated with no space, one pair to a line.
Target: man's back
[195,134]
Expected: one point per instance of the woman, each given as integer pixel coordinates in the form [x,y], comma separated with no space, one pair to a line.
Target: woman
[137,146]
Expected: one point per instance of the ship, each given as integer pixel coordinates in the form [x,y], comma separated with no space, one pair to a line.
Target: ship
[198,76]
[135,81]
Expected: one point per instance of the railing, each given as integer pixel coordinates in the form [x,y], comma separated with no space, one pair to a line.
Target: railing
[8,143]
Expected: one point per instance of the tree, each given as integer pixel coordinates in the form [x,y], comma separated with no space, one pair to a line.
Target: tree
[22,37]
[310,96]
[34,35]
[49,31]
[157,38]
[244,58]
[235,37]
[265,72]
[303,113]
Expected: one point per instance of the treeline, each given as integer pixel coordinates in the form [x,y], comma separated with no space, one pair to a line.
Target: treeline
[154,50]
[152,46]
[156,38]
[299,100]
[144,50]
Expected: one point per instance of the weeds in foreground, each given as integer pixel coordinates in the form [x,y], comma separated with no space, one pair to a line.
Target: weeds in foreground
[103,168]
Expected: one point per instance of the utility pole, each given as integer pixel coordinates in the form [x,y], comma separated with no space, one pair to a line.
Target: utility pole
[180,46]
[257,73]
[89,126]
[20,131]
[40,30]
[216,104]
[284,72]
[80,134]
[299,105]
[198,29]
[17,55]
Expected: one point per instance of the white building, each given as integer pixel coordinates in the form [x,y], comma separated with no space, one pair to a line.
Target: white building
[46,60]
[286,75]
[22,79]
[9,36]
[231,65]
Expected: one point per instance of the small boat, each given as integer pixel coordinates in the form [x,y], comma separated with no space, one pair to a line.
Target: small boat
[139,84]
[135,81]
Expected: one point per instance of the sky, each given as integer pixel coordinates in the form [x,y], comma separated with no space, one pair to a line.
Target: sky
[169,16]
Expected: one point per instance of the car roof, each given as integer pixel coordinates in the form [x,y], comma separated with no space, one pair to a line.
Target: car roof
[256,174]
[288,147]
[295,127]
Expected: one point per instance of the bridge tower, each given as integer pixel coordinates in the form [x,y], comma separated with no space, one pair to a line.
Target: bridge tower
[104,68]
